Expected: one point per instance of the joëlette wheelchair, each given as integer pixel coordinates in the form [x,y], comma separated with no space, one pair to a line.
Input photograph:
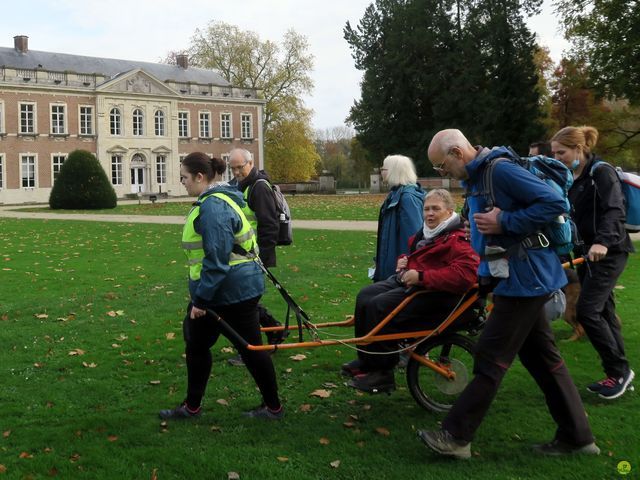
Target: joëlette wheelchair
[441,358]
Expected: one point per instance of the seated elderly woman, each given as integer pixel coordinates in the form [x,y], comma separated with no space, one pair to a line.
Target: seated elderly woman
[441,261]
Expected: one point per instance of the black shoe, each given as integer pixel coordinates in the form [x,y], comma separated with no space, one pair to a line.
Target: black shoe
[275,337]
[180,412]
[442,442]
[380,381]
[556,448]
[236,361]
[265,412]
[615,387]
[352,368]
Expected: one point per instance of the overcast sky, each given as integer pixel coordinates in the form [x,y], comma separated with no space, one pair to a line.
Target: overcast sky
[147,29]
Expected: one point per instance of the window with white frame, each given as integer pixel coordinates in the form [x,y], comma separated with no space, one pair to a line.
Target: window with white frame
[138,122]
[28,170]
[245,126]
[205,125]
[225,125]
[159,123]
[86,120]
[1,172]
[58,115]
[27,118]
[56,164]
[226,176]
[116,169]
[183,124]
[115,121]
[161,169]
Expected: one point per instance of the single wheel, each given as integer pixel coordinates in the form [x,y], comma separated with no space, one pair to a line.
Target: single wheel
[431,389]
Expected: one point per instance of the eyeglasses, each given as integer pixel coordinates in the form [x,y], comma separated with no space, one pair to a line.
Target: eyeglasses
[238,168]
[439,169]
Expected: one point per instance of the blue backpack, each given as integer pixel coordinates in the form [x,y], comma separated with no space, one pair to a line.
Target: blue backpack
[630,184]
[561,232]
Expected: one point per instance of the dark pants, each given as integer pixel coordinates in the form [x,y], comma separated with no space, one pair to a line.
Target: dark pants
[201,334]
[596,311]
[517,325]
[376,301]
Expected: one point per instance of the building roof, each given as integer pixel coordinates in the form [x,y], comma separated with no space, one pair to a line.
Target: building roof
[63,62]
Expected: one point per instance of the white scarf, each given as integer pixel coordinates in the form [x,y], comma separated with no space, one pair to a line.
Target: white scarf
[431,233]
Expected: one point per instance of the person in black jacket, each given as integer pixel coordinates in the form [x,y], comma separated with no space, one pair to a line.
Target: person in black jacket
[262,213]
[598,211]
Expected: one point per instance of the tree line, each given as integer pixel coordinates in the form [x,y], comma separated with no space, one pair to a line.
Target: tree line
[433,64]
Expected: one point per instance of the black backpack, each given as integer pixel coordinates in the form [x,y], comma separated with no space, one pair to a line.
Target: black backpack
[285,233]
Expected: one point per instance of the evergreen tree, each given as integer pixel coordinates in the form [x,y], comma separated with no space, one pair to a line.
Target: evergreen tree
[433,64]
[82,184]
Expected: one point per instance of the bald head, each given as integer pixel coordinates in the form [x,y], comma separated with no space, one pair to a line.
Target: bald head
[450,151]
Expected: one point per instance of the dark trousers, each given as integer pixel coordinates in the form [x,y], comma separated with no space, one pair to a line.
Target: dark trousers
[517,325]
[596,311]
[376,301]
[201,334]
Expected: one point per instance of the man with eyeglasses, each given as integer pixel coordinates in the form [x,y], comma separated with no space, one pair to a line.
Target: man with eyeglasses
[522,283]
[262,214]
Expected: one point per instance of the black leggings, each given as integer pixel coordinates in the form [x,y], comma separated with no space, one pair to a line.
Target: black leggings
[201,334]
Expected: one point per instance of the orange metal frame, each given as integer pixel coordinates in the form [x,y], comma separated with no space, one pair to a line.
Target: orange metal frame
[373,336]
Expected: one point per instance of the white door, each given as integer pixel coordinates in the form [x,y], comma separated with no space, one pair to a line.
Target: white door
[137,180]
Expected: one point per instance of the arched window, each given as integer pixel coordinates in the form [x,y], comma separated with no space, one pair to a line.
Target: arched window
[138,120]
[115,121]
[159,123]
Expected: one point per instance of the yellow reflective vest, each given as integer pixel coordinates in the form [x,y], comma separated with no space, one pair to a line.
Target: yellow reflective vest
[250,214]
[245,246]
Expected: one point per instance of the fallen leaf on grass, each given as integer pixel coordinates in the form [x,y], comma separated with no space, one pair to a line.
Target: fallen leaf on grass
[329,385]
[89,365]
[112,438]
[288,370]
[226,350]
[283,459]
[216,428]
[320,393]
[349,424]
[298,358]
[154,382]
[76,351]
[26,455]
[38,365]
[383,431]
[74,457]
[335,464]
[170,336]
[154,474]
[324,441]
[305,407]
[222,401]
[41,315]
[233,476]
[3,469]
[111,313]
[6,433]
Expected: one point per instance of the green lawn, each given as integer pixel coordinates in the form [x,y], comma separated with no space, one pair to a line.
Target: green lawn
[303,207]
[91,349]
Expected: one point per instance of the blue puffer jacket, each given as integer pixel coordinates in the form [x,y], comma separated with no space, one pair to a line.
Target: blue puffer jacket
[400,217]
[527,204]
[221,284]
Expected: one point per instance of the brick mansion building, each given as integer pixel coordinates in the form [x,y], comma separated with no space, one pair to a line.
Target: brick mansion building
[139,119]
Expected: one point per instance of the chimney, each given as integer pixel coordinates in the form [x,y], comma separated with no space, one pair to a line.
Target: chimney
[21,43]
[182,60]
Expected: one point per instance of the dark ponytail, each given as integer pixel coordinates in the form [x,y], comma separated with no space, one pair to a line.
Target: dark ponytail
[199,162]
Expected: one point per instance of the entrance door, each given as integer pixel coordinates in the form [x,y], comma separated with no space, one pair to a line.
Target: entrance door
[137,180]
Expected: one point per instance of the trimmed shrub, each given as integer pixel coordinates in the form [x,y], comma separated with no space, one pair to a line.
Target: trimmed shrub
[82,184]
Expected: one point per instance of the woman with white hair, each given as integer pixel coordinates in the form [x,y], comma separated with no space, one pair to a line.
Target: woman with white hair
[400,214]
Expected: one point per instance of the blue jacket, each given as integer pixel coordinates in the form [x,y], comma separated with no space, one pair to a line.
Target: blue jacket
[527,204]
[400,217]
[219,283]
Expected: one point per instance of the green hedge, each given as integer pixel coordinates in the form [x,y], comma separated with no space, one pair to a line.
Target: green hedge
[82,184]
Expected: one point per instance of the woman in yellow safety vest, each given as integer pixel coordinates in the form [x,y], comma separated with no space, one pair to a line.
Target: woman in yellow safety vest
[221,251]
